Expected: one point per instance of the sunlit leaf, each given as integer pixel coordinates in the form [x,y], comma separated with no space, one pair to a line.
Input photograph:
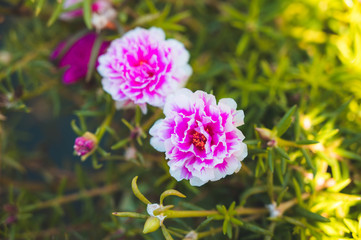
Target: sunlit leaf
[309,161]
[39,7]
[170,192]
[351,224]
[310,215]
[285,122]
[282,152]
[256,229]
[87,12]
[166,234]
[56,13]
[120,144]
[306,142]
[137,193]
[270,159]
[348,154]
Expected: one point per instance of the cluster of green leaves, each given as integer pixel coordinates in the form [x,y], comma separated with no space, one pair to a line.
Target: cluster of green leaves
[292,66]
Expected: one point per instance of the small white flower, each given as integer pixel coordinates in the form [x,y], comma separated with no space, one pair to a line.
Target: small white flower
[100,20]
[151,208]
[272,208]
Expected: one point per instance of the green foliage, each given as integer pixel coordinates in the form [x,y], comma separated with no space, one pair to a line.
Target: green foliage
[294,67]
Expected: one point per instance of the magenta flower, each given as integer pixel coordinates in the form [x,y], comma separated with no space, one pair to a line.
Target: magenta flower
[85,145]
[76,58]
[82,146]
[143,68]
[200,137]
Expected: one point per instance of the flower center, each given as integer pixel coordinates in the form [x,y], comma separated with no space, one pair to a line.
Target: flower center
[199,140]
[146,68]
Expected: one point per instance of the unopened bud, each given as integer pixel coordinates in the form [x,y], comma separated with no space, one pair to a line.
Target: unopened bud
[10,208]
[151,225]
[85,145]
[5,57]
[264,134]
[272,143]
[130,153]
[11,220]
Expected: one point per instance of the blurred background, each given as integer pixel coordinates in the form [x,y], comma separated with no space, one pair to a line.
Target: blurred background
[267,55]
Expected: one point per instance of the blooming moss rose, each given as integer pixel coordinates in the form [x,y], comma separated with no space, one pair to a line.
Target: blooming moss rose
[200,137]
[143,68]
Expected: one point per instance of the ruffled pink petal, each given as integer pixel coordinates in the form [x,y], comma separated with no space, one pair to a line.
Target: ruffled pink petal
[238,118]
[200,137]
[142,66]
[73,74]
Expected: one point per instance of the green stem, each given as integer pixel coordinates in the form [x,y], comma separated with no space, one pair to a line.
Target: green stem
[130,214]
[38,91]
[151,120]
[206,213]
[105,123]
[213,231]
[250,211]
[287,205]
[286,143]
[188,214]
[72,197]
[271,228]
[19,64]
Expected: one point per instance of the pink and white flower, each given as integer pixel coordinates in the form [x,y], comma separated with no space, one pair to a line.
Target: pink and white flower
[142,67]
[200,137]
[103,13]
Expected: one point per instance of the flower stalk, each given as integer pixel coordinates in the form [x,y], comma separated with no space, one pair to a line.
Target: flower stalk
[101,130]
[186,214]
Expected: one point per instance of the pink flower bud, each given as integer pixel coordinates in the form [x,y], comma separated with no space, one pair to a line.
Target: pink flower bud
[11,219]
[85,145]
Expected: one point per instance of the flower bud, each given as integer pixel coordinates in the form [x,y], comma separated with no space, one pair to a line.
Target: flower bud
[10,208]
[151,225]
[5,57]
[130,153]
[264,133]
[10,220]
[85,145]
[76,59]
[272,143]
